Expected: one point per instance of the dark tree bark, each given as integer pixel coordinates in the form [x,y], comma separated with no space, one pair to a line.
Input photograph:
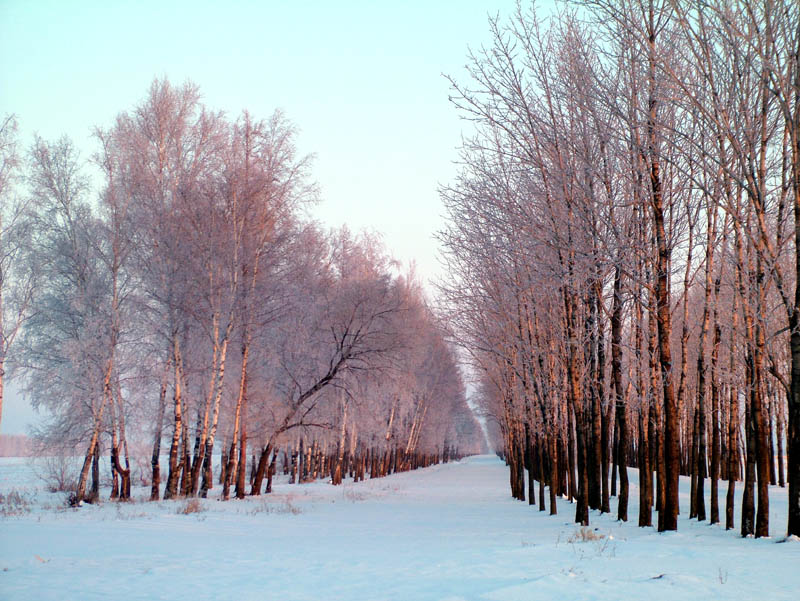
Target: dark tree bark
[94,492]
[716,417]
[619,398]
[748,497]
[155,459]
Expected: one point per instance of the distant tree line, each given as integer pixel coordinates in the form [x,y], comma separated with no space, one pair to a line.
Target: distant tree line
[14,445]
[624,244]
[192,304]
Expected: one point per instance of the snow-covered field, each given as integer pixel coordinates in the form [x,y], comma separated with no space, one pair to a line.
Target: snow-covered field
[444,533]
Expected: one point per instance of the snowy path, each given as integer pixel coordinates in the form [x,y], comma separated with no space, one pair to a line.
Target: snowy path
[445,533]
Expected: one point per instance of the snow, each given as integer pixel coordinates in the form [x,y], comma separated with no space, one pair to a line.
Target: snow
[446,533]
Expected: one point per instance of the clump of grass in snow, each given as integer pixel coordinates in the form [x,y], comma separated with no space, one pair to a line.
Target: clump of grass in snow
[354,496]
[584,535]
[14,503]
[266,507]
[191,506]
[599,542]
[124,514]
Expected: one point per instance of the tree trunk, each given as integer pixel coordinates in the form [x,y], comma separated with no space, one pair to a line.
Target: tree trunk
[554,475]
[240,480]
[715,410]
[619,398]
[337,472]
[761,431]
[261,470]
[271,470]
[94,493]
[172,479]
[155,460]
[793,413]
[80,491]
[124,473]
[779,437]
[748,498]
[529,462]
[2,365]
[671,448]
[113,451]
[645,470]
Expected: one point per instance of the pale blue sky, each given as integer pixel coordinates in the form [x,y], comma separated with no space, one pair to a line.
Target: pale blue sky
[361,80]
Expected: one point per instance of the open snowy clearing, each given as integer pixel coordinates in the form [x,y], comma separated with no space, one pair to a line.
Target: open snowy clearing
[448,532]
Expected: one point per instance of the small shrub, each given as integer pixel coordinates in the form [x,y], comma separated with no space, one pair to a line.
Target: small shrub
[141,470]
[58,472]
[191,506]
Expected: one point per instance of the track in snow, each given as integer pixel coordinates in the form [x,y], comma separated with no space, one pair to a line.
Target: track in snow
[444,533]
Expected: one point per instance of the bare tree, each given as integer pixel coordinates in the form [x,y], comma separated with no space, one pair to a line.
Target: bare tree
[17,272]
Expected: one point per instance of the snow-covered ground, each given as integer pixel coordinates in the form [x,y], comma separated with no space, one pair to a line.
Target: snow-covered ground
[448,532]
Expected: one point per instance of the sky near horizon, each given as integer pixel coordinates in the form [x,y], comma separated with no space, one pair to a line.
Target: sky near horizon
[362,81]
